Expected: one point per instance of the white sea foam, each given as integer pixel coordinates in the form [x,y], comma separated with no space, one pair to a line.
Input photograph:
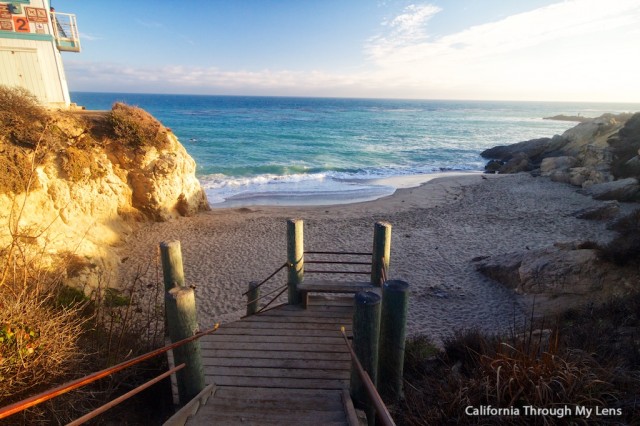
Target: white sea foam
[313,188]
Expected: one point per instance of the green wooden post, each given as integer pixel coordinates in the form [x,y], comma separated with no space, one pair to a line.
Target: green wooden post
[381,252]
[393,332]
[180,306]
[366,332]
[172,270]
[181,321]
[295,258]
[252,298]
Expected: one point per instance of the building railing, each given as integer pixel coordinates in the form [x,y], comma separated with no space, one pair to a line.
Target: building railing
[65,31]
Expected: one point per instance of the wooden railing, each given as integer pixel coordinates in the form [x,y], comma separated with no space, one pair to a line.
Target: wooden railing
[381,412]
[83,381]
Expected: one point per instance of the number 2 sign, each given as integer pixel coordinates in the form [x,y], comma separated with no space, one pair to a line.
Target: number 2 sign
[21,24]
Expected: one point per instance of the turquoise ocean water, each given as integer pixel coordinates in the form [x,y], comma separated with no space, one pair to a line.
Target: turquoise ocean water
[277,150]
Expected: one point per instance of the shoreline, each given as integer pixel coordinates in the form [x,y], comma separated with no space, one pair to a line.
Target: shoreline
[438,228]
[364,190]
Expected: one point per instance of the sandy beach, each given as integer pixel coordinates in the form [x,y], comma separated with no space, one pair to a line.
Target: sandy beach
[438,228]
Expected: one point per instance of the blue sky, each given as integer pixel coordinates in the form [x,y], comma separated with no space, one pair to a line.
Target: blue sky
[579,50]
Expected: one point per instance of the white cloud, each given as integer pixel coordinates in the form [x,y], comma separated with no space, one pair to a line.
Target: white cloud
[547,53]
[198,79]
[571,50]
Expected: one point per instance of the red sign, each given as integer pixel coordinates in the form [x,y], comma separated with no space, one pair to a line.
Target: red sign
[37,14]
[21,24]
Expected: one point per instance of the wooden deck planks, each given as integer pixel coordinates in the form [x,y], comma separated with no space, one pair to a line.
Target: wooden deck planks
[284,366]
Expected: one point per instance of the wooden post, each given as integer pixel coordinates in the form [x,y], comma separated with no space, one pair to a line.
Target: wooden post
[181,321]
[381,252]
[172,271]
[366,332]
[252,298]
[295,258]
[180,306]
[393,332]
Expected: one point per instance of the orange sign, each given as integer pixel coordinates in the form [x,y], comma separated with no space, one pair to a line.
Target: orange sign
[6,26]
[37,14]
[21,24]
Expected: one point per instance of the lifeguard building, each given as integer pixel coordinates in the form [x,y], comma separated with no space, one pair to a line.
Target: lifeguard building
[32,35]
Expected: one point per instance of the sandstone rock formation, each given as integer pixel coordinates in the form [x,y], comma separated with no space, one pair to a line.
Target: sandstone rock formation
[82,181]
[595,152]
[571,269]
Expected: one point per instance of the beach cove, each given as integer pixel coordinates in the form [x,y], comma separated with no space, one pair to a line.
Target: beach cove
[439,228]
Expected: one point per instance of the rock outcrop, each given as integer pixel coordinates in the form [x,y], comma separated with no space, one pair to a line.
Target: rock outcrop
[570,269]
[601,156]
[595,152]
[84,180]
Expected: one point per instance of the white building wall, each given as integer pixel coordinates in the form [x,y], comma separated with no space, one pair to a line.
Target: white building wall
[34,64]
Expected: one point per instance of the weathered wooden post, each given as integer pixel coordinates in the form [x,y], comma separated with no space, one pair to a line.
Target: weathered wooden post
[181,322]
[393,332]
[172,271]
[295,258]
[366,332]
[381,252]
[252,298]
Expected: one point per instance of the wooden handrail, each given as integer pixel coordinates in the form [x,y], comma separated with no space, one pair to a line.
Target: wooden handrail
[336,262]
[347,253]
[374,396]
[52,393]
[124,397]
[268,278]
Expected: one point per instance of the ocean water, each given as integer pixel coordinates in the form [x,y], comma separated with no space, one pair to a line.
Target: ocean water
[295,151]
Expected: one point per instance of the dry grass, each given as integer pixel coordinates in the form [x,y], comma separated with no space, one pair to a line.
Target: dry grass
[580,361]
[22,119]
[49,333]
[135,127]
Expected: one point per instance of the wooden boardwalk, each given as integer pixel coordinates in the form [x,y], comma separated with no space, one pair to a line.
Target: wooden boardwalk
[284,366]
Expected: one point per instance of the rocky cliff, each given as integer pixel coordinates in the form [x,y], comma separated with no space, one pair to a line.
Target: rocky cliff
[594,154]
[601,157]
[75,184]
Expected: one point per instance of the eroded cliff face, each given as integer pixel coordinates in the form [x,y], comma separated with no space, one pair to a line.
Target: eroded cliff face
[78,183]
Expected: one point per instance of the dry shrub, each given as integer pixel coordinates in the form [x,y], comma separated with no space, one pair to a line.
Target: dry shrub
[38,333]
[22,119]
[15,169]
[79,164]
[546,369]
[38,341]
[135,127]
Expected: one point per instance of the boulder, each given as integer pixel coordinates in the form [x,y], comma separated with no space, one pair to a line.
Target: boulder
[593,132]
[503,269]
[553,164]
[587,176]
[518,163]
[622,190]
[561,176]
[558,271]
[531,148]
[493,166]
[605,211]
